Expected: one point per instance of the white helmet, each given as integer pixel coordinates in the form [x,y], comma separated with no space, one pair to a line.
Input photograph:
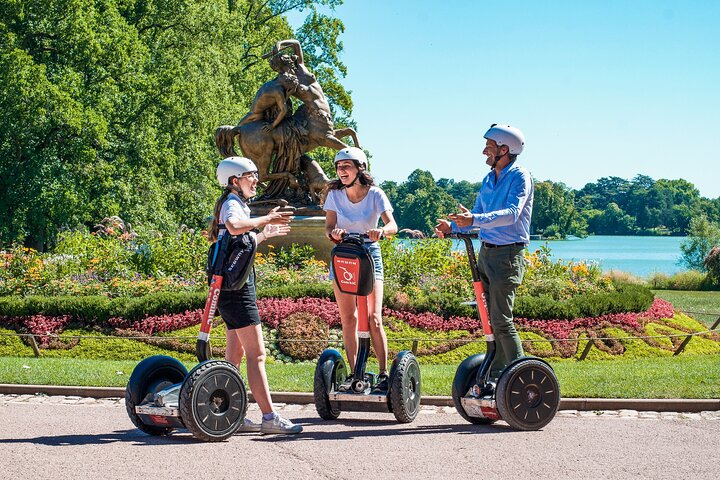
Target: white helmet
[506,135]
[352,153]
[233,167]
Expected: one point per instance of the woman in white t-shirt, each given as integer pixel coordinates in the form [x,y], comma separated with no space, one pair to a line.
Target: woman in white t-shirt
[238,308]
[354,205]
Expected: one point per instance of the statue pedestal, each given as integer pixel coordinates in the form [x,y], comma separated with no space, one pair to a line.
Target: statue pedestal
[304,231]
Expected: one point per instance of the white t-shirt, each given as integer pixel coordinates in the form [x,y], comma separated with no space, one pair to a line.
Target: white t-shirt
[233,207]
[358,217]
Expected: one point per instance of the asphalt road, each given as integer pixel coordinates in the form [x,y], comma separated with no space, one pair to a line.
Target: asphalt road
[84,438]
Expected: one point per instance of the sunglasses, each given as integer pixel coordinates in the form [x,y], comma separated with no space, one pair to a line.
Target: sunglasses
[251,175]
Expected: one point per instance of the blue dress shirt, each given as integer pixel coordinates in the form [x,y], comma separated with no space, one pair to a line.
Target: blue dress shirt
[503,207]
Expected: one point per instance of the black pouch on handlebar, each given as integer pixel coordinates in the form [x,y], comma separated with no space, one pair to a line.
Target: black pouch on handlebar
[353,267]
[232,257]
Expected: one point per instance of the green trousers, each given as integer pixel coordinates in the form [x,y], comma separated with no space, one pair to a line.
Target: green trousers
[501,272]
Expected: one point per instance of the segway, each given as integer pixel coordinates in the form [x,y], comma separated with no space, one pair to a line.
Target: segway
[210,401]
[527,393]
[333,390]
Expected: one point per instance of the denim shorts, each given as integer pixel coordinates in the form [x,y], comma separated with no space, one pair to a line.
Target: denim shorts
[376,255]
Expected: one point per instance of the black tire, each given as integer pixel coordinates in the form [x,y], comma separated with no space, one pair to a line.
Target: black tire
[149,377]
[464,377]
[330,372]
[406,389]
[213,401]
[528,394]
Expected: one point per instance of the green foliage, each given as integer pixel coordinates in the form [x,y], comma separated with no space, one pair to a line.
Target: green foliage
[109,107]
[92,309]
[625,298]
[687,280]
[558,279]
[702,237]
[419,202]
[297,290]
[712,263]
[287,267]
[303,336]
[554,212]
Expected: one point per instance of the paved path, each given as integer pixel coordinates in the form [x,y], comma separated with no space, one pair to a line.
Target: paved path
[87,438]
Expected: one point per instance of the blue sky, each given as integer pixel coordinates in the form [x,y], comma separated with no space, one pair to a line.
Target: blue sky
[600,88]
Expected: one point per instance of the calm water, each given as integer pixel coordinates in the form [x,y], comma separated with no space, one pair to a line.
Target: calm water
[640,256]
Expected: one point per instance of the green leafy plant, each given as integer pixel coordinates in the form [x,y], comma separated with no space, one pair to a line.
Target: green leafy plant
[303,336]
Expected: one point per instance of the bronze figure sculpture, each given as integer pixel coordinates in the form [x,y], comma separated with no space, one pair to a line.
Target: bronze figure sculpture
[278,139]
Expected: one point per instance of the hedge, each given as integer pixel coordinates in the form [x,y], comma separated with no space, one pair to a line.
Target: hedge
[91,309]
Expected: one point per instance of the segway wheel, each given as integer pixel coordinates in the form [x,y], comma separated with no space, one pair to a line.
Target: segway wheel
[149,377]
[405,390]
[464,377]
[213,401]
[528,395]
[330,372]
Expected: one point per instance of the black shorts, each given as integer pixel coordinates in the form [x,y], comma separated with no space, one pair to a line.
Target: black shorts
[238,308]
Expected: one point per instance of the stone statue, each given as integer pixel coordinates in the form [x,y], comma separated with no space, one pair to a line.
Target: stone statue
[278,139]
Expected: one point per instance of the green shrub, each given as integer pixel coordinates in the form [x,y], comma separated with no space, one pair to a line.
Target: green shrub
[687,280]
[303,336]
[625,298]
[297,290]
[13,306]
[157,304]
[712,263]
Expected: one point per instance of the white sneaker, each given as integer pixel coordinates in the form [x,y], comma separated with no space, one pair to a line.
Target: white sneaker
[249,426]
[279,425]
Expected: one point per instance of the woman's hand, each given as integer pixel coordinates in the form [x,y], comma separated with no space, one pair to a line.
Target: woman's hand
[277,218]
[272,230]
[375,234]
[337,234]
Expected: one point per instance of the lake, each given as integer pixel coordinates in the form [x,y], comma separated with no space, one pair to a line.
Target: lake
[640,256]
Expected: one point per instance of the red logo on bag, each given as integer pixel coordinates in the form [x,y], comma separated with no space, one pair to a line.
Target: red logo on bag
[347,271]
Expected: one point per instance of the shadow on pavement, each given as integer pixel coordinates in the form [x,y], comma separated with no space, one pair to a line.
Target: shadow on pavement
[355,429]
[133,435]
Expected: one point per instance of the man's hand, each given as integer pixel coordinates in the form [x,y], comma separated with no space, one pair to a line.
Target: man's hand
[443,228]
[462,219]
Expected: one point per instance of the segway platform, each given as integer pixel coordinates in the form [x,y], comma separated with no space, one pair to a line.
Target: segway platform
[210,401]
[526,395]
[333,389]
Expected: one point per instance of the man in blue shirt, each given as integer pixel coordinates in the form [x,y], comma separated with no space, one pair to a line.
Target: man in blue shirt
[502,211]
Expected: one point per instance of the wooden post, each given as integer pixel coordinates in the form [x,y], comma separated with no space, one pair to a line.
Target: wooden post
[415,347]
[34,346]
[689,337]
[587,350]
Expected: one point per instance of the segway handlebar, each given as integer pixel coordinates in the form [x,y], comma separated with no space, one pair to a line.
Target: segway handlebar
[460,235]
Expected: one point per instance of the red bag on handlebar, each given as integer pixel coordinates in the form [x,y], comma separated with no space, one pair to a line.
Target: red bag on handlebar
[353,267]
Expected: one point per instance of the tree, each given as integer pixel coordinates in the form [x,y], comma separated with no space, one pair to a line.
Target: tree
[702,237]
[554,210]
[419,202]
[611,221]
[108,107]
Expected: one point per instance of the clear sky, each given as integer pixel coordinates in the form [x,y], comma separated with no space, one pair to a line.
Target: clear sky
[600,88]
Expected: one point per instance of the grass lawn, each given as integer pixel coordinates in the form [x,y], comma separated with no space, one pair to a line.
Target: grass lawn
[704,305]
[686,376]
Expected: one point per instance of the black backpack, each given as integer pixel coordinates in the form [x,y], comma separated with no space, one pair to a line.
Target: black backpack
[231,257]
